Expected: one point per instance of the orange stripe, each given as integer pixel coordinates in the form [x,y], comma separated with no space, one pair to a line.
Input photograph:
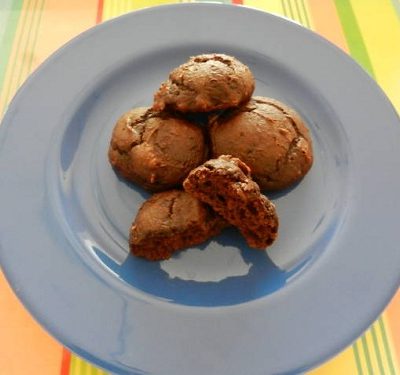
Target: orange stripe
[99,16]
[65,362]
[24,346]
[326,22]
[393,321]
[50,38]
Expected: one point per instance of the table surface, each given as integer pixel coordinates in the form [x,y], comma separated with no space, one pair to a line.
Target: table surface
[30,30]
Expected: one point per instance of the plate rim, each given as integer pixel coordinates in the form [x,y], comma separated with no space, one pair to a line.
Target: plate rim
[93,30]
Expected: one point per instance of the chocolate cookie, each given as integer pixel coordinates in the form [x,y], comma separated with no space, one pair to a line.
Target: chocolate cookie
[155,150]
[206,83]
[170,221]
[269,137]
[226,185]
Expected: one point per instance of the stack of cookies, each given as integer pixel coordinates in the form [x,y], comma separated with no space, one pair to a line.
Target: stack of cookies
[207,148]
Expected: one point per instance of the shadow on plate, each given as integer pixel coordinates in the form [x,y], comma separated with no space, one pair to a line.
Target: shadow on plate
[262,278]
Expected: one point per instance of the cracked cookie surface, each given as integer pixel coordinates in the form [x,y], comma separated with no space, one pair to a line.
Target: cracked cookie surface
[226,185]
[155,150]
[267,135]
[170,221]
[206,83]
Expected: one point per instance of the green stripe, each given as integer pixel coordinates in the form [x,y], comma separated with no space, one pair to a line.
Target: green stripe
[24,22]
[5,13]
[353,34]
[284,8]
[36,35]
[377,350]
[292,16]
[386,344]
[26,44]
[29,43]
[367,356]
[6,43]
[303,6]
[298,12]
[357,358]
[396,6]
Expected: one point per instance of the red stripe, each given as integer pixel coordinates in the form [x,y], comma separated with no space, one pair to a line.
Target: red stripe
[65,362]
[240,2]
[99,16]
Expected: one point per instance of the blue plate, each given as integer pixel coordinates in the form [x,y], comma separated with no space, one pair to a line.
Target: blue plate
[221,308]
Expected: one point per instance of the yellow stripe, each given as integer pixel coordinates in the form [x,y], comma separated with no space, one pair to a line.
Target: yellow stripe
[307,13]
[81,367]
[341,364]
[31,48]
[363,360]
[395,359]
[21,62]
[84,366]
[78,366]
[292,10]
[379,337]
[272,6]
[30,43]
[16,58]
[108,9]
[373,352]
[117,8]
[105,15]
[24,51]
[126,5]
[73,368]
[112,8]
[380,28]
[121,8]
[298,11]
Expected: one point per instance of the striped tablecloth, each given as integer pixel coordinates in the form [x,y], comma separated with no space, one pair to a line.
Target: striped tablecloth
[30,30]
